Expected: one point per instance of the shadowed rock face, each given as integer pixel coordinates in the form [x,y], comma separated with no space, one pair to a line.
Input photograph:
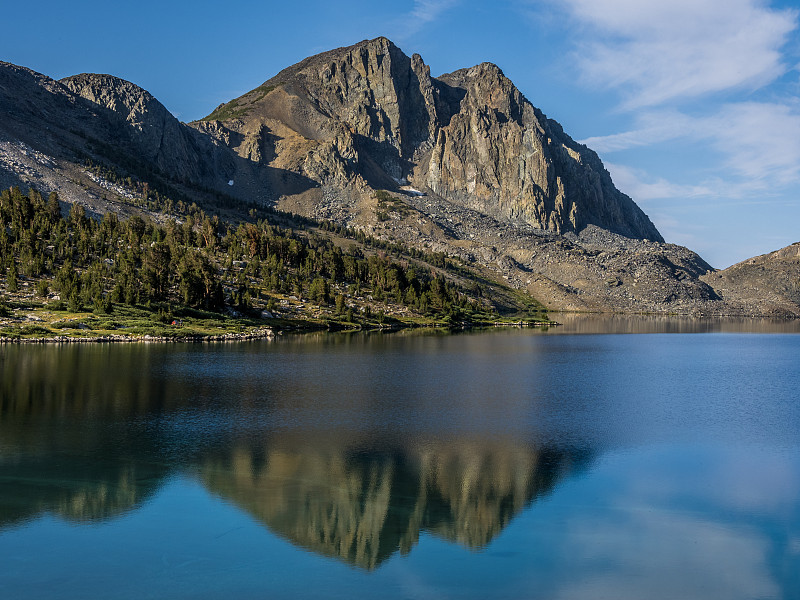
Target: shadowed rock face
[158,137]
[49,129]
[471,137]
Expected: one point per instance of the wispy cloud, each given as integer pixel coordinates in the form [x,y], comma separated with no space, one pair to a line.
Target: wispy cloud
[426,11]
[667,50]
[651,127]
[761,141]
[719,78]
[759,144]
[641,186]
[422,13]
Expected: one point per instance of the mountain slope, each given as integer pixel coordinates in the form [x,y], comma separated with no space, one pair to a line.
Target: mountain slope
[50,130]
[770,282]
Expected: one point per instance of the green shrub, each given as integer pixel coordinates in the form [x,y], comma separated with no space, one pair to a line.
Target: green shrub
[36,330]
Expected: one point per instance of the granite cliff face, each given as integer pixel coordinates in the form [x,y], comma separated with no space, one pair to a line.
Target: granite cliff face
[370,114]
[502,156]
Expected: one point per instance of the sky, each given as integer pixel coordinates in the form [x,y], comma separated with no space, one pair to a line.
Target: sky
[693,105]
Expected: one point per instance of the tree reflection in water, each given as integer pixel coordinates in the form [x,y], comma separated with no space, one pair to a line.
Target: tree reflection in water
[85,436]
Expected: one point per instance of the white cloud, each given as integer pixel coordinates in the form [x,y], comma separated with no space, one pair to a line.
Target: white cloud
[640,186]
[668,531]
[664,554]
[652,127]
[430,10]
[718,78]
[665,50]
[423,13]
[759,143]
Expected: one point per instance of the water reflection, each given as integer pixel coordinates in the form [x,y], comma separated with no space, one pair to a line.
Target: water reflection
[589,323]
[92,380]
[363,505]
[72,487]
[87,437]
[583,466]
[355,503]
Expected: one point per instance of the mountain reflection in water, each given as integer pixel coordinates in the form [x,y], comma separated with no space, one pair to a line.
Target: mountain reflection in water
[586,465]
[86,446]
[362,506]
[358,505]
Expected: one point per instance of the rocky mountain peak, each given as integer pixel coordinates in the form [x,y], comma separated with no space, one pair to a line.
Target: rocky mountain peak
[471,137]
[141,121]
[114,94]
[363,136]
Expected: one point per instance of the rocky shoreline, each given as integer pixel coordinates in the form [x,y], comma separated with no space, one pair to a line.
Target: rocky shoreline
[264,333]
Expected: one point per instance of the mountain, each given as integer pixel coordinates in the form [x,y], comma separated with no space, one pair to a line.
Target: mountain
[770,282]
[369,114]
[366,138]
[51,130]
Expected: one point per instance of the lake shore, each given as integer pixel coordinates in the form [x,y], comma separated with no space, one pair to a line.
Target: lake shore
[46,327]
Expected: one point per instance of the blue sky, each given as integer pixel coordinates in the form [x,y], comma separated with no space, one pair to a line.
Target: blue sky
[693,105]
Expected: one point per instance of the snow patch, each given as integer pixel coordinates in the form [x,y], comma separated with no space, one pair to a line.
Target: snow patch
[412,191]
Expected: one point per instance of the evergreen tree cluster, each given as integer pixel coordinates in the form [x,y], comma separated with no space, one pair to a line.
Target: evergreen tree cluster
[203,262]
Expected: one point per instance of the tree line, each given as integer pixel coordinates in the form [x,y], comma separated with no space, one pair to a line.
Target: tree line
[203,262]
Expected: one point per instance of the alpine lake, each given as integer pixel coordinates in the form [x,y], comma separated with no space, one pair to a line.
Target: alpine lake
[620,458]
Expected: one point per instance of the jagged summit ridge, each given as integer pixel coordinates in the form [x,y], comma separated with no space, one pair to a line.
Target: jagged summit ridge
[469,136]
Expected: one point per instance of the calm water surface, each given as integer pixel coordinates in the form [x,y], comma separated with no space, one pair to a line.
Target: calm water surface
[571,463]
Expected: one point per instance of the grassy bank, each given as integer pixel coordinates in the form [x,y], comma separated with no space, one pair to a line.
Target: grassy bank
[32,321]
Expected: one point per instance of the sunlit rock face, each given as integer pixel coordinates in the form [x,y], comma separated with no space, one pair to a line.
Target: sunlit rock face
[369,114]
[501,155]
[363,506]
